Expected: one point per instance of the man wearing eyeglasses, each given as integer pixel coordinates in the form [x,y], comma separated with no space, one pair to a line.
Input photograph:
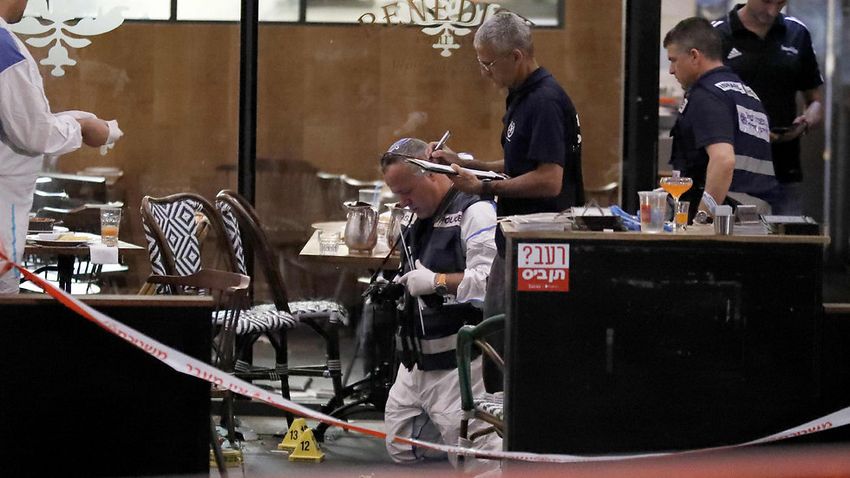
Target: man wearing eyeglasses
[28,132]
[446,257]
[541,143]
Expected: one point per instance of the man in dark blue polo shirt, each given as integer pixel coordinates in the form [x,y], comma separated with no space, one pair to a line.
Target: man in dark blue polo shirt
[773,54]
[721,138]
[541,141]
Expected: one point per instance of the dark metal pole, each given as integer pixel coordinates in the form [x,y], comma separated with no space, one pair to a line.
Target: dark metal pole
[640,111]
[247,166]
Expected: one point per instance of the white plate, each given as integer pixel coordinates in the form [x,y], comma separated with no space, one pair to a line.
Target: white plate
[80,239]
[56,230]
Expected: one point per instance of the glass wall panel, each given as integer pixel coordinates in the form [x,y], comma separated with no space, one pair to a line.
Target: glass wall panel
[229,10]
[541,12]
[174,89]
[131,9]
[333,97]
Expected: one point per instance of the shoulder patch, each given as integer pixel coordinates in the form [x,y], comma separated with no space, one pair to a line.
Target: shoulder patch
[9,53]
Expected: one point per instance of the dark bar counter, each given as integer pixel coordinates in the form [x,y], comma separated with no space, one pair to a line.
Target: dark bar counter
[627,342]
[76,400]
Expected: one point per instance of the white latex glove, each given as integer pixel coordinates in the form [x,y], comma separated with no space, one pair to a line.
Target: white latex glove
[419,281]
[114,134]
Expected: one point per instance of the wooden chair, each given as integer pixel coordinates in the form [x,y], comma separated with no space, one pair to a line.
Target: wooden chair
[173,227]
[488,406]
[230,295]
[324,317]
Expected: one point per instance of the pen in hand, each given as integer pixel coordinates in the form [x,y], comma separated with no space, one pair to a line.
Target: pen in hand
[442,141]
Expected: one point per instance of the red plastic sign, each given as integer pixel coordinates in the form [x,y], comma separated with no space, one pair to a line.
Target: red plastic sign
[543,267]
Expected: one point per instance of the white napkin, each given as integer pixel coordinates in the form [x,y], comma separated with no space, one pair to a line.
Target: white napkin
[103,254]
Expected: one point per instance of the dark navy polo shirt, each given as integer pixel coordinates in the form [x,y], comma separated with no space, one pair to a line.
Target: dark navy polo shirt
[541,126]
[776,67]
[719,108]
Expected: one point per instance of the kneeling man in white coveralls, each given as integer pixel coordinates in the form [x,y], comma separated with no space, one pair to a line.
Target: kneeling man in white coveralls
[449,249]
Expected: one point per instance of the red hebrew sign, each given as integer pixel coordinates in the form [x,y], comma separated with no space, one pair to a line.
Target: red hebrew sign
[543,267]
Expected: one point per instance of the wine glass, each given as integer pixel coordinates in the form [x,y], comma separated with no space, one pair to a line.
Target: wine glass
[676,185]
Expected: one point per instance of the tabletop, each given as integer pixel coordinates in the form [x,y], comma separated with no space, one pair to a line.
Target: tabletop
[343,258]
[81,250]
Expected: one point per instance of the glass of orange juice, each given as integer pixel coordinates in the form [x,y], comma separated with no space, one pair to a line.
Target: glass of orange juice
[110,219]
[680,219]
[676,185]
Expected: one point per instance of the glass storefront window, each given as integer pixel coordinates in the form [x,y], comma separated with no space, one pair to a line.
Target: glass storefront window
[133,9]
[229,10]
[541,12]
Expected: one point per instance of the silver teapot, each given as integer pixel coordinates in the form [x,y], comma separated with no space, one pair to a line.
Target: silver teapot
[361,226]
[398,215]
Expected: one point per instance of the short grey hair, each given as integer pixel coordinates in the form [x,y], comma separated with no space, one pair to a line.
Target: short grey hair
[505,31]
[402,149]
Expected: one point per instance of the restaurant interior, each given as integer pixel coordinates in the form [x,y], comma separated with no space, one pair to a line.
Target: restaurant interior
[272,114]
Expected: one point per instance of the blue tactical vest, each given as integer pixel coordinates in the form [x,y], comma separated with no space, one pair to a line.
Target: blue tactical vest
[437,243]
[753,166]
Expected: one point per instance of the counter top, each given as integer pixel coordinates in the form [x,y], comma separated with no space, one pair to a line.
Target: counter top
[693,233]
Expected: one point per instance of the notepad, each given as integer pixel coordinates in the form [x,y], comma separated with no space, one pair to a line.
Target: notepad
[443,169]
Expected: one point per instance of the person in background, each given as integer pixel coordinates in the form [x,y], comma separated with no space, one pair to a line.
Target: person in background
[541,145]
[773,54]
[722,136]
[28,132]
[446,257]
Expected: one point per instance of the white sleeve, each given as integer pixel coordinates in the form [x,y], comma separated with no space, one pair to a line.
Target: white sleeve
[478,234]
[26,118]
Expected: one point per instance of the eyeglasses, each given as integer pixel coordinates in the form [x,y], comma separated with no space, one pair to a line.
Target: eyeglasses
[489,65]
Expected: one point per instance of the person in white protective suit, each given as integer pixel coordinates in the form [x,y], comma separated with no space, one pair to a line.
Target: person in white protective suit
[28,132]
[447,254]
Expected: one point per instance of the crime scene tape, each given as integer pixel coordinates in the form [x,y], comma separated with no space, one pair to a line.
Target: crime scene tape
[187,365]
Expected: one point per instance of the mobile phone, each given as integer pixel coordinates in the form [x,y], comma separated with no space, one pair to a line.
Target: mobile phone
[780,129]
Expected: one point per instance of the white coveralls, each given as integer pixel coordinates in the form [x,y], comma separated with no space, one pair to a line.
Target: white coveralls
[28,131]
[425,405]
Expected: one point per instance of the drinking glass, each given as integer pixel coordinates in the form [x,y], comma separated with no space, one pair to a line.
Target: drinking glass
[680,219]
[110,219]
[676,185]
[328,242]
[653,209]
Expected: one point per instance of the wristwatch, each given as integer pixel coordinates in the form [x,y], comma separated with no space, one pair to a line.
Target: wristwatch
[440,287]
[486,189]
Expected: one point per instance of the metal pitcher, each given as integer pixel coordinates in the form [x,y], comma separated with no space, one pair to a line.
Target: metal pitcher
[361,226]
[397,218]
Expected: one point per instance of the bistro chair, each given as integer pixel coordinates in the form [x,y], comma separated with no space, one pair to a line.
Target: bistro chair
[324,316]
[229,292]
[174,226]
[487,406]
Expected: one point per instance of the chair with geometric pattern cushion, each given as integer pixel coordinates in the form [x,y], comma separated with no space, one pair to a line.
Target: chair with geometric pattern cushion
[171,226]
[325,317]
[489,406]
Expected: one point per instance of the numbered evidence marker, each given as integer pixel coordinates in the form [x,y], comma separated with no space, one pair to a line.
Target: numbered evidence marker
[307,449]
[293,435]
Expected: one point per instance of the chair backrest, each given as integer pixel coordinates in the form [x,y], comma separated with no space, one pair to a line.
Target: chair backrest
[172,226]
[243,228]
[470,335]
[230,296]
